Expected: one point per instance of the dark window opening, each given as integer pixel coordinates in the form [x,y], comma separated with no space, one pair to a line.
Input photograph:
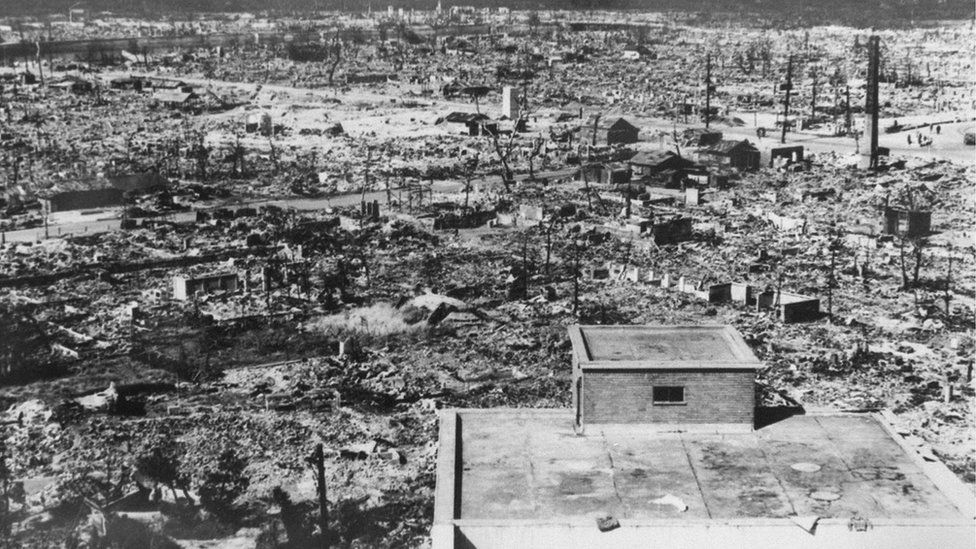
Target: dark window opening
[669,395]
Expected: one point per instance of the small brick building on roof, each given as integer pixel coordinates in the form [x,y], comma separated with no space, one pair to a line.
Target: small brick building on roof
[662,374]
[632,456]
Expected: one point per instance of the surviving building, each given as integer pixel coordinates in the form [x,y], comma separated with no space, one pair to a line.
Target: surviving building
[186,287]
[608,131]
[103,192]
[662,374]
[665,446]
[651,163]
[906,222]
[742,155]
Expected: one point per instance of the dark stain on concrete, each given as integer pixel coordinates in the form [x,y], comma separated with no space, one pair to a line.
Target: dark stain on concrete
[571,485]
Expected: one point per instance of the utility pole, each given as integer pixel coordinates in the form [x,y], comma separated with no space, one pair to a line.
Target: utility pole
[786,102]
[871,105]
[847,110]
[833,277]
[576,274]
[948,285]
[708,88]
[813,94]
[369,160]
[318,460]
[525,267]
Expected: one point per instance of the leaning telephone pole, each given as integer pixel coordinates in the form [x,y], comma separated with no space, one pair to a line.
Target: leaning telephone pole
[786,102]
[708,88]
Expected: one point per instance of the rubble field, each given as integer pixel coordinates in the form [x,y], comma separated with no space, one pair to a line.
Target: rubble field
[296,264]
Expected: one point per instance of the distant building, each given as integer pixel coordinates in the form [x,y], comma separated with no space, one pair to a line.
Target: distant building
[742,155]
[614,173]
[482,127]
[647,164]
[88,199]
[472,122]
[129,83]
[606,173]
[789,307]
[186,287]
[510,106]
[371,78]
[103,193]
[905,222]
[672,229]
[173,99]
[786,155]
[700,137]
[608,131]
[258,122]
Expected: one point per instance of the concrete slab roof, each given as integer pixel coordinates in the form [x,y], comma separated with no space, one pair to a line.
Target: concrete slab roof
[661,347]
[507,472]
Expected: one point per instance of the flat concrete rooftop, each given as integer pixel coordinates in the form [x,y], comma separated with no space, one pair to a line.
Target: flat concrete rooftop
[661,346]
[535,466]
[514,467]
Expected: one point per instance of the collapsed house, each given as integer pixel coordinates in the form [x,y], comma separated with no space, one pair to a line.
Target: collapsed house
[785,155]
[671,229]
[700,137]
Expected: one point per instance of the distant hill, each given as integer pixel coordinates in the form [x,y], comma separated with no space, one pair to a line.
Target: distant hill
[857,12]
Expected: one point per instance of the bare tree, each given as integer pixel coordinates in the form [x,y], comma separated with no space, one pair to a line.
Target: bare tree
[239,153]
[918,247]
[538,144]
[834,247]
[201,153]
[335,53]
[470,167]
[902,263]
[503,150]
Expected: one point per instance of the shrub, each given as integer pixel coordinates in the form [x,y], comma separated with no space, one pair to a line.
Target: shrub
[223,485]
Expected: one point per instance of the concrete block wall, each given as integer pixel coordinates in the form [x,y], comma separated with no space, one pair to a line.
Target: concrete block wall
[622,396]
[800,310]
[792,307]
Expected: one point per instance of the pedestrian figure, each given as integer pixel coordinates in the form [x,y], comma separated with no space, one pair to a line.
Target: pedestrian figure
[909,139]
[938,130]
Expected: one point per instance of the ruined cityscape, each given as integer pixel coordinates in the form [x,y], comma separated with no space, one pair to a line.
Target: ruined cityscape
[316,273]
